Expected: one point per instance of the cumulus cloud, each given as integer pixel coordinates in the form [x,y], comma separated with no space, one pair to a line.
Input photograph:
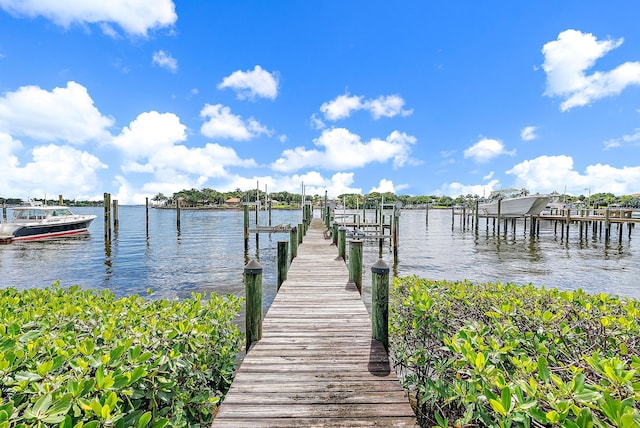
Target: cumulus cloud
[135,18]
[548,173]
[339,149]
[252,83]
[458,189]
[221,123]
[567,60]
[148,133]
[165,60]
[486,149]
[52,169]
[150,144]
[384,106]
[384,186]
[528,133]
[64,114]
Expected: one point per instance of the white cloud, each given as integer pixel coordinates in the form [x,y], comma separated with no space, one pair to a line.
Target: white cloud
[548,173]
[316,123]
[489,176]
[384,186]
[52,170]
[630,139]
[343,105]
[388,106]
[149,133]
[339,149]
[252,83]
[222,123]
[569,57]
[64,114]
[528,133]
[135,18]
[165,60]
[486,149]
[456,189]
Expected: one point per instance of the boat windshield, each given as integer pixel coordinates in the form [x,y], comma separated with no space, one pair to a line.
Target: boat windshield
[30,214]
[61,211]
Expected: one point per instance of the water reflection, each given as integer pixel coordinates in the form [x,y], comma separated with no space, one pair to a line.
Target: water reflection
[208,254]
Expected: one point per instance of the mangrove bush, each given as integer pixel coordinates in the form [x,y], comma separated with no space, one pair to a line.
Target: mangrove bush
[75,358]
[504,355]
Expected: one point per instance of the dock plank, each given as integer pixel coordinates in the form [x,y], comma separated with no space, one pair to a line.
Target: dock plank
[316,364]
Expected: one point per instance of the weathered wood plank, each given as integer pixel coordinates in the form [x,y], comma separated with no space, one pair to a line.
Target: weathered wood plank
[316,364]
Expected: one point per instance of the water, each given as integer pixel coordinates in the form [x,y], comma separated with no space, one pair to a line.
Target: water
[208,255]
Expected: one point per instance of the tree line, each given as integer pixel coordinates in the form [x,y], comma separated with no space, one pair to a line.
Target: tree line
[208,197]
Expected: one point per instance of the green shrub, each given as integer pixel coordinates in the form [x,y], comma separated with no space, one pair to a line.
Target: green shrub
[507,355]
[82,358]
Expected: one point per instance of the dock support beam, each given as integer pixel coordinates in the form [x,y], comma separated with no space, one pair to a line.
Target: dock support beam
[283,247]
[253,291]
[293,242]
[380,302]
[342,238]
[355,263]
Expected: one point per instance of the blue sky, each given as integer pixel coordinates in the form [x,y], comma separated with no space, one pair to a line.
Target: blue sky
[413,97]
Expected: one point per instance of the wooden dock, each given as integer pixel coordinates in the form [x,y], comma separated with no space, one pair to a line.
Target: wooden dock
[316,364]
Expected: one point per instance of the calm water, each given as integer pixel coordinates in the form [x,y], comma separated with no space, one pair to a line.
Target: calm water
[208,255]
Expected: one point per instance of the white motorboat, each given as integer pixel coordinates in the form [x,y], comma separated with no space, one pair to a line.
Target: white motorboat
[513,203]
[39,222]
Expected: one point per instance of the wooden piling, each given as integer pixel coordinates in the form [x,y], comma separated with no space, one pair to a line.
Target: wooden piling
[283,248]
[380,302]
[246,227]
[4,211]
[293,243]
[355,263]
[116,218]
[253,291]
[107,215]
[342,237]
[60,200]
[499,212]
[334,233]
[300,232]
[146,215]
[178,215]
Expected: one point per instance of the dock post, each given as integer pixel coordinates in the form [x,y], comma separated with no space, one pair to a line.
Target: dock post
[116,219]
[146,215]
[380,302]
[253,291]
[300,232]
[178,215]
[293,242]
[60,200]
[355,263]
[334,233]
[106,204]
[568,222]
[342,237]
[4,211]
[426,216]
[475,217]
[499,212]
[246,227]
[283,248]
[396,224]
[607,225]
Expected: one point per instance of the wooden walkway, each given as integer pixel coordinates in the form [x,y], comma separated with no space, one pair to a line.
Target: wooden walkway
[316,364]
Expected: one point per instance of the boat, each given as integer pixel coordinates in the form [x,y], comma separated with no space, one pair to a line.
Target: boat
[33,222]
[513,203]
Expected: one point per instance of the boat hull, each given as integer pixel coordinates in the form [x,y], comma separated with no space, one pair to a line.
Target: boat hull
[515,207]
[46,231]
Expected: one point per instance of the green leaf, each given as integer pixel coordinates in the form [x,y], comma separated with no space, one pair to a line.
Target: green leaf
[543,369]
[506,399]
[498,407]
[144,420]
